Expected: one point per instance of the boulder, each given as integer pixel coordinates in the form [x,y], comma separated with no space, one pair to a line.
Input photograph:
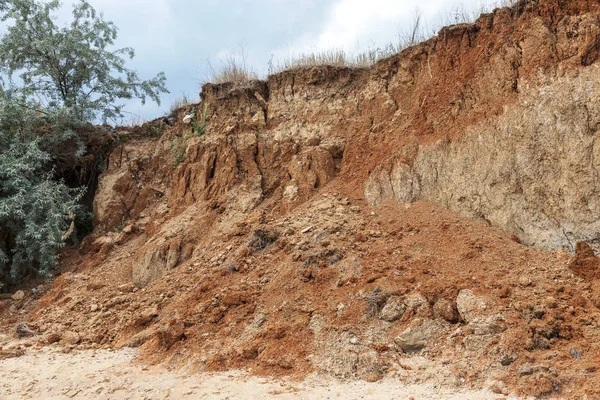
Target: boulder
[417,337]
[445,309]
[393,309]
[469,305]
[70,338]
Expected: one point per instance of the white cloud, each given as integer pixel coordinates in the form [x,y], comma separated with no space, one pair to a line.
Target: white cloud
[355,25]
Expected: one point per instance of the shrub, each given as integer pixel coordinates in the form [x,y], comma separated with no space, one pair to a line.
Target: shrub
[36,211]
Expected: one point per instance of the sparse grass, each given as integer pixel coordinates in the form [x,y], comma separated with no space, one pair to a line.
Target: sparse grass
[133,121]
[121,226]
[178,149]
[335,58]
[263,238]
[180,102]
[199,127]
[233,68]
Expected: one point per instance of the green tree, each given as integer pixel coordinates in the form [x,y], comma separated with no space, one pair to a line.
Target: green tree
[73,66]
[36,211]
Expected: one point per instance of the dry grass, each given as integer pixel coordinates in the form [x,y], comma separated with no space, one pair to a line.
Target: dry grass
[335,58]
[180,102]
[233,68]
[416,33]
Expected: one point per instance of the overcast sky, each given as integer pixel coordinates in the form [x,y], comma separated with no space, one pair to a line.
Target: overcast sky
[179,37]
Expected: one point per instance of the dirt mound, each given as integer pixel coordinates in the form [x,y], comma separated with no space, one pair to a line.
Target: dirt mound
[367,223]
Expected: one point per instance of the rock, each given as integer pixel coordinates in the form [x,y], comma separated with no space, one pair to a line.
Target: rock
[94,308]
[524,281]
[170,333]
[469,305]
[11,353]
[53,337]
[414,301]
[504,292]
[445,309]
[417,337]
[290,192]
[18,295]
[70,338]
[488,325]
[393,309]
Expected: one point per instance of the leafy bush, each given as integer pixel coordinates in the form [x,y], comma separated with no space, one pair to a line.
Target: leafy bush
[36,211]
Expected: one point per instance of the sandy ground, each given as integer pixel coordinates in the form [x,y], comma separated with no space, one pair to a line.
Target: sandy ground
[51,374]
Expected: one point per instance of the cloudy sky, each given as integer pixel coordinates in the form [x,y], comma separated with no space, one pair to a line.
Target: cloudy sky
[180,37]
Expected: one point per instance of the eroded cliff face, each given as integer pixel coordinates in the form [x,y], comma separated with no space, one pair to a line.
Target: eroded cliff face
[532,171]
[298,233]
[494,120]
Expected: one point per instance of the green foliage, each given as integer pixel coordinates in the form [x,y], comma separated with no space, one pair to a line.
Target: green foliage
[178,149]
[155,130]
[83,221]
[35,210]
[198,128]
[72,67]
[121,226]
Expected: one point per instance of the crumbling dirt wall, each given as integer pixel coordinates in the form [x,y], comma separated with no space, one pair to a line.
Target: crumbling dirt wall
[495,120]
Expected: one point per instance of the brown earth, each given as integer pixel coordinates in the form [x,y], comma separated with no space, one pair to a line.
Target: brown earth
[352,221]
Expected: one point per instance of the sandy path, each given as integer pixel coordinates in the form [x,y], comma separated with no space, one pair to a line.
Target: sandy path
[50,374]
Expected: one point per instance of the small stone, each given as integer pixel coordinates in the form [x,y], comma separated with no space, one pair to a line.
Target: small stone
[488,325]
[306,230]
[373,377]
[504,292]
[19,295]
[525,281]
[525,369]
[53,337]
[393,309]
[94,308]
[414,301]
[71,338]
[445,309]
[550,302]
[507,358]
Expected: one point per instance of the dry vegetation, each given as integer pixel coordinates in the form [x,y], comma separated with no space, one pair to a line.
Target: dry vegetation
[234,67]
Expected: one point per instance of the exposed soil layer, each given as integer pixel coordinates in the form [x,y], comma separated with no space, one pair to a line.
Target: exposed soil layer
[361,222]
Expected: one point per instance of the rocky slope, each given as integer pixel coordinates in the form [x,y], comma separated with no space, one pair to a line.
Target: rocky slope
[362,222]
